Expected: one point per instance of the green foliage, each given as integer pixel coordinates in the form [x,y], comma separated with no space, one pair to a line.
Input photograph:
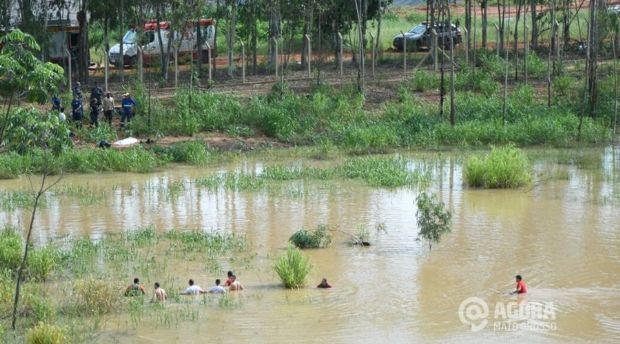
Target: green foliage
[317,238]
[96,296]
[46,334]
[423,81]
[379,171]
[433,219]
[293,268]
[505,167]
[11,249]
[26,130]
[41,262]
[190,152]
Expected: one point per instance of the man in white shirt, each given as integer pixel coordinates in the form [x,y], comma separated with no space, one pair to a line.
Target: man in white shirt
[217,288]
[108,107]
[193,289]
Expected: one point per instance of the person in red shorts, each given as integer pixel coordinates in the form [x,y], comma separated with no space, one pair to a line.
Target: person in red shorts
[521,287]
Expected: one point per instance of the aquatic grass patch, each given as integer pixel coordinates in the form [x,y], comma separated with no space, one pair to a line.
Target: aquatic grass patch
[293,268]
[19,199]
[504,167]
[96,296]
[318,237]
[189,152]
[381,172]
[86,194]
[232,181]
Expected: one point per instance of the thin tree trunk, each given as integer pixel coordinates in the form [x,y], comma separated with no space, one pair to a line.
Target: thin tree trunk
[484,23]
[22,265]
[515,39]
[534,15]
[452,81]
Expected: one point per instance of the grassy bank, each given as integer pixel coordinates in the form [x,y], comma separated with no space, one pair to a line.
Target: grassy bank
[76,284]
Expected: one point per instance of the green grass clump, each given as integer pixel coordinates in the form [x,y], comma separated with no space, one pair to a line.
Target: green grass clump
[96,296]
[503,168]
[189,152]
[293,268]
[380,171]
[42,262]
[317,238]
[46,334]
[11,249]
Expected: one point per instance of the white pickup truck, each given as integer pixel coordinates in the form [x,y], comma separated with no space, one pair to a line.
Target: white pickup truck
[186,40]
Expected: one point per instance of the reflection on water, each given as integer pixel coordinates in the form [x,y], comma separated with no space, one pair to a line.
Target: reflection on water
[562,235]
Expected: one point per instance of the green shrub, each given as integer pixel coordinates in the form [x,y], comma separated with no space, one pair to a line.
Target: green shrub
[424,81]
[96,296]
[11,249]
[46,334]
[317,238]
[293,268]
[42,261]
[505,167]
[191,152]
[433,219]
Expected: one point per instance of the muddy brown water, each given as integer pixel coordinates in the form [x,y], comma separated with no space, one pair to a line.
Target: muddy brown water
[562,234]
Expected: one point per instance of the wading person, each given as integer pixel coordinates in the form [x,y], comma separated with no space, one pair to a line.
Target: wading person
[128,105]
[235,285]
[230,278]
[193,289]
[217,288]
[324,284]
[521,287]
[160,293]
[135,289]
[108,107]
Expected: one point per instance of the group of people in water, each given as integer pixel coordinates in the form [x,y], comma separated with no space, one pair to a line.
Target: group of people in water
[159,294]
[231,284]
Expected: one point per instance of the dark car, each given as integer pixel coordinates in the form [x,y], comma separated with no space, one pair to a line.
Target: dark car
[420,37]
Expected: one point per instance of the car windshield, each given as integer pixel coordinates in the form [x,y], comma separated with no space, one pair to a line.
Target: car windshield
[418,30]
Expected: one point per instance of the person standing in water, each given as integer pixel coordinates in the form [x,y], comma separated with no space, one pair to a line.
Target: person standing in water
[135,289]
[160,293]
[324,284]
[521,287]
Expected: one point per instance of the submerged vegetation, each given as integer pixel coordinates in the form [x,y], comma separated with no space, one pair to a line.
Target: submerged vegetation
[316,238]
[387,172]
[504,167]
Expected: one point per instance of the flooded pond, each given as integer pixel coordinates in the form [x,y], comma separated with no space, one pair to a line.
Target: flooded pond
[562,234]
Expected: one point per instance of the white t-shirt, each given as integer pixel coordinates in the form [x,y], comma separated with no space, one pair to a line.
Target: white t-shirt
[62,117]
[218,289]
[193,290]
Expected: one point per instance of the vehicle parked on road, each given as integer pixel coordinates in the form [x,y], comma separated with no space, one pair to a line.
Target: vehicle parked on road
[420,37]
[186,41]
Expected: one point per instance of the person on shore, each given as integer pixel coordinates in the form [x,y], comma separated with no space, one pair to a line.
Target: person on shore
[77,111]
[128,105]
[55,103]
[61,115]
[230,278]
[77,91]
[521,287]
[217,288]
[96,93]
[94,112]
[135,289]
[235,285]
[160,293]
[193,289]
[108,107]
[324,284]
